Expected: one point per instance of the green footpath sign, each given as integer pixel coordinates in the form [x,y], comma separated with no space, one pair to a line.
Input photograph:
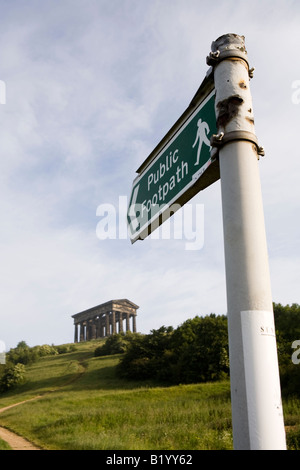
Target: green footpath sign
[181,168]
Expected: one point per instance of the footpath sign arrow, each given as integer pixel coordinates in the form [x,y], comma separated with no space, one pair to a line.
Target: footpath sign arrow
[179,167]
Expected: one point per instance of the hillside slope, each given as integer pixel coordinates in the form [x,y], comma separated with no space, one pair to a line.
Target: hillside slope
[83,405]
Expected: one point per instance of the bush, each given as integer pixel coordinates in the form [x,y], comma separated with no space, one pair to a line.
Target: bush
[23,354]
[146,356]
[13,375]
[201,350]
[44,350]
[65,348]
[115,344]
[196,351]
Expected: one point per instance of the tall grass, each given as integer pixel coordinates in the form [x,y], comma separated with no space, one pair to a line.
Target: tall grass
[183,417]
[85,406]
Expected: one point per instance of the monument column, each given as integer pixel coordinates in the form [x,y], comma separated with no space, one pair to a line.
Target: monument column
[134,323]
[127,322]
[87,331]
[102,325]
[76,333]
[113,319]
[120,322]
[81,332]
[107,324]
[98,334]
[94,324]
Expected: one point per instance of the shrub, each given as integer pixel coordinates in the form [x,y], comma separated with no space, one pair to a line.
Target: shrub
[146,356]
[201,350]
[23,354]
[196,351]
[44,350]
[65,348]
[115,344]
[13,375]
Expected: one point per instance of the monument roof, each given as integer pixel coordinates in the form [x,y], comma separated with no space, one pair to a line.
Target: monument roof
[110,305]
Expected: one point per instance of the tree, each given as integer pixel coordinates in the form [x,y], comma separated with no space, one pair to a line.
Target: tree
[146,356]
[201,349]
[22,345]
[196,351]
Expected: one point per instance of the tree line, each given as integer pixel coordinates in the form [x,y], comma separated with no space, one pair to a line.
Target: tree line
[197,351]
[174,355]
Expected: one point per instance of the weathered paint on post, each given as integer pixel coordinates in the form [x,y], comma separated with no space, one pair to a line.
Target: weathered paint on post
[255,387]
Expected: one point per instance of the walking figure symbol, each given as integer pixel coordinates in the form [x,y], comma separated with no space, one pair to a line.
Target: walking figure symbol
[203,130]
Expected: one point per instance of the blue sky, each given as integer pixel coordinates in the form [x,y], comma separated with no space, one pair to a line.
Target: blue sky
[91,88]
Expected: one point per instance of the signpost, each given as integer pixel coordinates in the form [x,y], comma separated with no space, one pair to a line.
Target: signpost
[183,164]
[257,414]
[180,166]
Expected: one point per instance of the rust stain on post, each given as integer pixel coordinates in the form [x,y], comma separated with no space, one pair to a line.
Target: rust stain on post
[250,119]
[228,109]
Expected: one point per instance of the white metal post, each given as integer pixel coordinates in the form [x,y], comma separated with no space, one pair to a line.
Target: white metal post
[255,388]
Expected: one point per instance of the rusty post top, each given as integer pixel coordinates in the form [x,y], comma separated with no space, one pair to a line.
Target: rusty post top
[227,46]
[229,41]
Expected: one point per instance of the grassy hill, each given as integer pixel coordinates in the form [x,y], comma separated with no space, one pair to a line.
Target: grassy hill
[84,405]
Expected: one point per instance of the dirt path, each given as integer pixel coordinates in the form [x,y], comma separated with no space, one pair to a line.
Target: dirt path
[15,441]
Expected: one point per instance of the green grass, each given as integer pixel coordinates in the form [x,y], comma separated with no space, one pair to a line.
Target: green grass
[160,418]
[4,445]
[85,406]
